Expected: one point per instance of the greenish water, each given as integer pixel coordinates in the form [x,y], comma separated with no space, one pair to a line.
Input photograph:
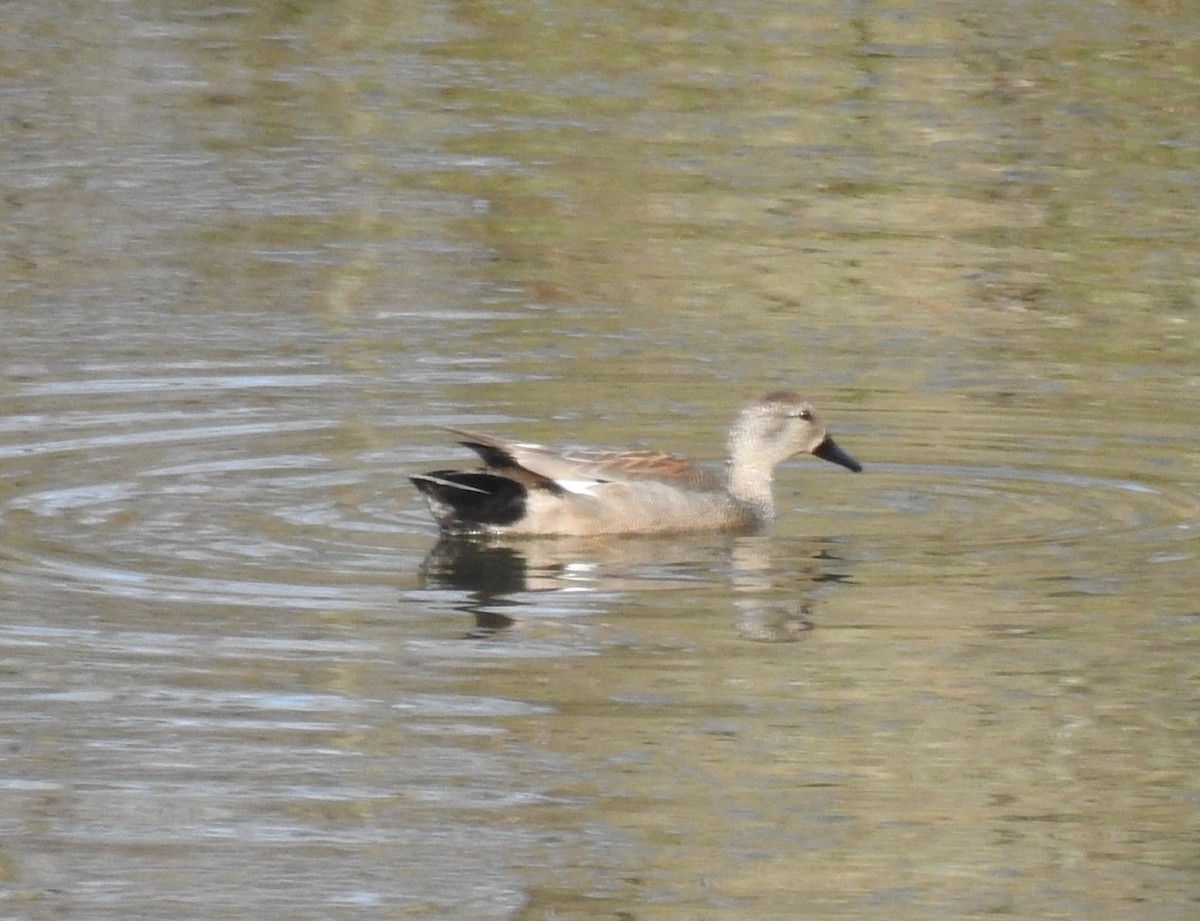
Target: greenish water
[253,256]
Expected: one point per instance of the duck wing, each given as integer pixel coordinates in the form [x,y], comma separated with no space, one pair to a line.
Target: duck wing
[561,465]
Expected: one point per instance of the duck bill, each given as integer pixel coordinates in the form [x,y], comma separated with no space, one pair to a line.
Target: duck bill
[828,450]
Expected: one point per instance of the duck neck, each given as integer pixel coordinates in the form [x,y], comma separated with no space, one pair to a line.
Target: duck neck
[750,484]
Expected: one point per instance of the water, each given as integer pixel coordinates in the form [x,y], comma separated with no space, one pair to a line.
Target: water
[252,257]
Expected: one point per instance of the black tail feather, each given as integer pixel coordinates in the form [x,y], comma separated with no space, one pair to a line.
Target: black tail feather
[471,500]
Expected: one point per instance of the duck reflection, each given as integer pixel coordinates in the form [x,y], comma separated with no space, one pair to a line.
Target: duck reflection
[494,574]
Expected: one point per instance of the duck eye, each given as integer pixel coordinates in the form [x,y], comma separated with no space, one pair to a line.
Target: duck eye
[805,414]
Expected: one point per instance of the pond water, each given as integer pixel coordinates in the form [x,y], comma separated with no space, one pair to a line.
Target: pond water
[254,255]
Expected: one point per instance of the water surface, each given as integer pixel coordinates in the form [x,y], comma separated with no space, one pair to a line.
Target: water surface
[253,256]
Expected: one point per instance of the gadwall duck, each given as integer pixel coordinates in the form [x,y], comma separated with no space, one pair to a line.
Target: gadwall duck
[531,489]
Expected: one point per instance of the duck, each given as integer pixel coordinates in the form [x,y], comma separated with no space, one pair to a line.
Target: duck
[527,489]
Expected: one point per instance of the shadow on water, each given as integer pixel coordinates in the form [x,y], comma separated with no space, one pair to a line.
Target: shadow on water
[500,581]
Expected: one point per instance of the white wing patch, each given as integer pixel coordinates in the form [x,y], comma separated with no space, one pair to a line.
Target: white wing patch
[581,487]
